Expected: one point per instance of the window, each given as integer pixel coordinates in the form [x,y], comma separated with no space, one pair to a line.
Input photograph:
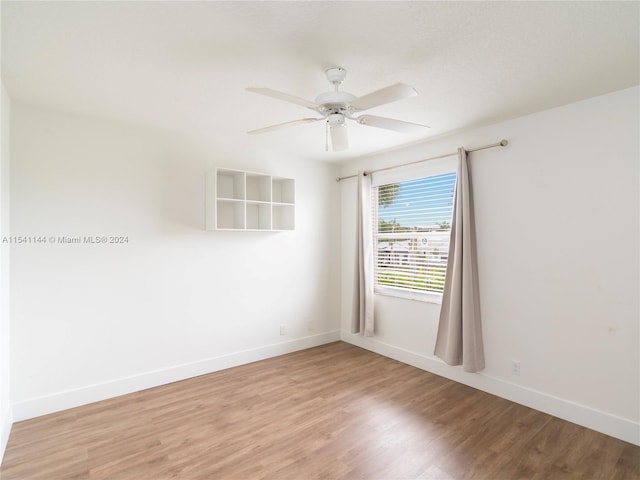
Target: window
[412,224]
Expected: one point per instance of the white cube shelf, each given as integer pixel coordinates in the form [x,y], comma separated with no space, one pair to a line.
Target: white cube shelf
[248,201]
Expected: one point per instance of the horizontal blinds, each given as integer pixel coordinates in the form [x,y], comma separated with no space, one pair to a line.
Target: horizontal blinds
[411,222]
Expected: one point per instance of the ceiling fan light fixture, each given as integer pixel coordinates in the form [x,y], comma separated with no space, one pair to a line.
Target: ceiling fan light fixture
[335,119]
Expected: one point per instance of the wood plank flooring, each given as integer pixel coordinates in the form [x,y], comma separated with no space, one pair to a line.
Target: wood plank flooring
[331,412]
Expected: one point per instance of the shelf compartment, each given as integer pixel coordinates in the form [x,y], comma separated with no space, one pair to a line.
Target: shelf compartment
[283,217]
[230,215]
[283,190]
[258,216]
[258,187]
[230,184]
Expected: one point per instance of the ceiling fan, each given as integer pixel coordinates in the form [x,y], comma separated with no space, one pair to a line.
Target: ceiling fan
[336,107]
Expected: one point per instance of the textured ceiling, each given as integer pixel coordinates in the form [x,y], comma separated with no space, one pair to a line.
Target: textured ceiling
[183,66]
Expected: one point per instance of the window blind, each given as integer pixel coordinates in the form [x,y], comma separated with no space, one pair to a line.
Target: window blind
[412,224]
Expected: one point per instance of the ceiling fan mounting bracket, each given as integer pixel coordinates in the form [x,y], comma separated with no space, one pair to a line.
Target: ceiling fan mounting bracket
[336,75]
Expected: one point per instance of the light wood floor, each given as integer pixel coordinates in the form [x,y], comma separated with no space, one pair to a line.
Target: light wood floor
[334,412]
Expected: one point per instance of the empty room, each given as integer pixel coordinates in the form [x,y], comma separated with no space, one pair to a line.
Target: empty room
[311,239]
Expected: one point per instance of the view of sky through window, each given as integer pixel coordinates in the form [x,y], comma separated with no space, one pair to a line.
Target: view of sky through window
[417,204]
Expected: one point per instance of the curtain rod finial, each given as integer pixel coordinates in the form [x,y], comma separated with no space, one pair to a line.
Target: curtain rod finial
[504,143]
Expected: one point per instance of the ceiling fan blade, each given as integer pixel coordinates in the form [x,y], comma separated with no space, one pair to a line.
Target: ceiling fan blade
[388,94]
[282,125]
[392,124]
[283,96]
[339,138]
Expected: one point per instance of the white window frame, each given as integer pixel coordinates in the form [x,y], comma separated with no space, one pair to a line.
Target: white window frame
[397,175]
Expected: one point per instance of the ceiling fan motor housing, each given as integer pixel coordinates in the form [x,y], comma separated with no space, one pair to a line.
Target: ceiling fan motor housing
[335,102]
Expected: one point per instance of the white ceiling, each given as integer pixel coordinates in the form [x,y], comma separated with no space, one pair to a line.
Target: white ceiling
[184,66]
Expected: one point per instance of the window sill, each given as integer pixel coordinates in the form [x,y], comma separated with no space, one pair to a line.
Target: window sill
[409,295]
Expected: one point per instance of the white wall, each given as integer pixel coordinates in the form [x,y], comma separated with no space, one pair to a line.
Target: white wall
[93,321]
[557,223]
[6,414]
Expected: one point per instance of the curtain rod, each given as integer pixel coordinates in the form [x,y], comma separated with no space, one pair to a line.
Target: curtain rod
[501,143]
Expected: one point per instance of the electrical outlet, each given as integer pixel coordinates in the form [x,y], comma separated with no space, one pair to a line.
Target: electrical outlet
[282,330]
[515,368]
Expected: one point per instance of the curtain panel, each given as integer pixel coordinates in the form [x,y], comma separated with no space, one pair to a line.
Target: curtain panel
[459,339]
[362,318]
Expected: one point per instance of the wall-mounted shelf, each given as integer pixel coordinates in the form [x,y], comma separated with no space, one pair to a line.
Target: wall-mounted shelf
[249,201]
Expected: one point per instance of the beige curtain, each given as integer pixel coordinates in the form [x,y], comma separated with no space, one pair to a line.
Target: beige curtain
[459,340]
[362,319]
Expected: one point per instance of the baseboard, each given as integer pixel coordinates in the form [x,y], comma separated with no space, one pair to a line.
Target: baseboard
[5,430]
[64,400]
[588,417]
